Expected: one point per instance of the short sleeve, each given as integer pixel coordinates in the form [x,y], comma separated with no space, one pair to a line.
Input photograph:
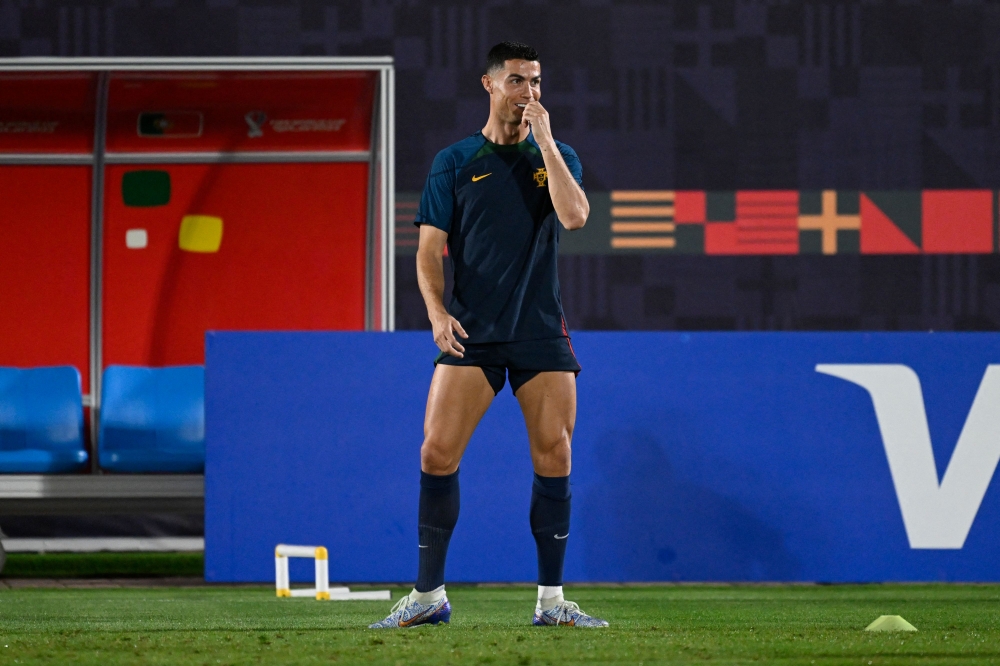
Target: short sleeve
[437,203]
[572,161]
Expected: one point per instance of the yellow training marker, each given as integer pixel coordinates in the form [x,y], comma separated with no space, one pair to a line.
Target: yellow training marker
[200,233]
[890,623]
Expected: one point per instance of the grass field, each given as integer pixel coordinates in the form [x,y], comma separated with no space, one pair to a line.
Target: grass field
[490,625]
[103,565]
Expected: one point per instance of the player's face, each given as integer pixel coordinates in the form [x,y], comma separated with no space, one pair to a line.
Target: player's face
[519,82]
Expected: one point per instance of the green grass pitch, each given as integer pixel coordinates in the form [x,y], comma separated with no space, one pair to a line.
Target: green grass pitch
[697,624]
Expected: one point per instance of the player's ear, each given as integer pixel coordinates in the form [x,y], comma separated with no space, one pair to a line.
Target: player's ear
[488,83]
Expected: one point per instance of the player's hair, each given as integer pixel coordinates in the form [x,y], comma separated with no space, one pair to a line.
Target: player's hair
[505,51]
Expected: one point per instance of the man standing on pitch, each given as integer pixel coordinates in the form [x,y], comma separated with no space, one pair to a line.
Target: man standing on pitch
[496,199]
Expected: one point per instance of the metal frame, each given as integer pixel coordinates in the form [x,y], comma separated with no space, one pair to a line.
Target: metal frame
[71,494]
[389,197]
[248,157]
[372,228]
[97,265]
[379,293]
[327,63]
[44,159]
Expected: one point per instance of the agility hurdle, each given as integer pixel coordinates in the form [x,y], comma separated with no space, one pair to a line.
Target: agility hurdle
[322,590]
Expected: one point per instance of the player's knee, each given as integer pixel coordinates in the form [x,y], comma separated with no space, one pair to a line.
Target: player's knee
[562,451]
[554,455]
[437,459]
[558,444]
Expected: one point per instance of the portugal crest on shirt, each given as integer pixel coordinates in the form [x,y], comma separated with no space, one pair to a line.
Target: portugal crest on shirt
[541,177]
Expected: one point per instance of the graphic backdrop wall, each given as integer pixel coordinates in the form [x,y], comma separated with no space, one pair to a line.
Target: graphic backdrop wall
[877,104]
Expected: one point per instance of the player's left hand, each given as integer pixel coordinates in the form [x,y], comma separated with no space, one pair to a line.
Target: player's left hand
[537,117]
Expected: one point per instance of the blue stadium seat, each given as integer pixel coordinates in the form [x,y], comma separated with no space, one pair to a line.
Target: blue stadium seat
[152,419]
[41,421]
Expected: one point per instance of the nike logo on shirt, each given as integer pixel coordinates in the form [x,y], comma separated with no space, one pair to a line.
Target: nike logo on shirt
[561,537]
[478,178]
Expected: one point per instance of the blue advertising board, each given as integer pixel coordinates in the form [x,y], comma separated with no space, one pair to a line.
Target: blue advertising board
[697,457]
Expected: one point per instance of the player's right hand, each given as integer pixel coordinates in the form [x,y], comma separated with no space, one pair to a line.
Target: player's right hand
[445,327]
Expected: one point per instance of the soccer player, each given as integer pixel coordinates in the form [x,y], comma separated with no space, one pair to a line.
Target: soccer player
[497,199]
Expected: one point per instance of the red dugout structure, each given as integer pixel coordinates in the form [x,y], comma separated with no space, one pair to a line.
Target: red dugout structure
[145,201]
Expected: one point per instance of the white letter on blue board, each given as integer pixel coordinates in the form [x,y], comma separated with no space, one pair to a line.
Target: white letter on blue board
[936,516]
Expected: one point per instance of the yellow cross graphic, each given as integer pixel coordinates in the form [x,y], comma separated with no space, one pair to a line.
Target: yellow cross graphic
[829,222]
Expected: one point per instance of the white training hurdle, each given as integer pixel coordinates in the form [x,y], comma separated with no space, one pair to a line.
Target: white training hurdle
[322,590]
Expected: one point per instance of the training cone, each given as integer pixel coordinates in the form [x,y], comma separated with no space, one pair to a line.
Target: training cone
[890,623]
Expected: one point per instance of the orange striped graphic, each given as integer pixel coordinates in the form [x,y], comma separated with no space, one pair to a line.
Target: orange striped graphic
[648,212]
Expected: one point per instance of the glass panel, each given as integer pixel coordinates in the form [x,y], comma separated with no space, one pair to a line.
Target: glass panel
[240,111]
[47,113]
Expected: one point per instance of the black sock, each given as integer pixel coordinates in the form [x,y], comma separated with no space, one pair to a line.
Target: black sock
[550,499]
[438,515]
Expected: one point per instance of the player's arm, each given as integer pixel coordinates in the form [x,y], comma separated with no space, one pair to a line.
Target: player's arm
[568,198]
[430,278]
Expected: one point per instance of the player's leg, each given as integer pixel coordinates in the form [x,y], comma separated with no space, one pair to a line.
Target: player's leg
[457,400]
[548,402]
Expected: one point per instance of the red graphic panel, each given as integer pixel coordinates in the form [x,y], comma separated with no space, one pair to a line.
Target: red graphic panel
[689,206]
[240,111]
[957,221]
[767,222]
[291,254]
[47,113]
[720,238]
[45,266]
[879,235]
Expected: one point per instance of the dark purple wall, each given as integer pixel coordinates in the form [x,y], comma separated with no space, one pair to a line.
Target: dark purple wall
[683,95]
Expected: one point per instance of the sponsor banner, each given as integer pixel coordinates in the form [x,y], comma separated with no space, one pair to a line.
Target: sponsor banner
[171,124]
[712,456]
[767,222]
[235,111]
[28,126]
[47,113]
[307,124]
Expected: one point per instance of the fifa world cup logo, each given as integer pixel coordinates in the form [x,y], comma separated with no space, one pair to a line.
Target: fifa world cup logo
[255,123]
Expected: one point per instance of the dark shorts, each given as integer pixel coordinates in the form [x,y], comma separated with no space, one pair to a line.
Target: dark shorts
[521,360]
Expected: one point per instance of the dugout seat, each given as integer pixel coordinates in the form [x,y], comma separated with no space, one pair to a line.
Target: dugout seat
[41,421]
[152,419]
